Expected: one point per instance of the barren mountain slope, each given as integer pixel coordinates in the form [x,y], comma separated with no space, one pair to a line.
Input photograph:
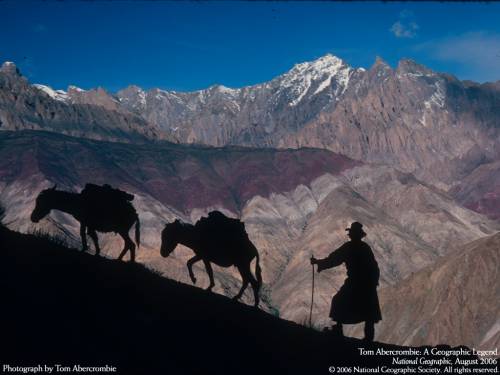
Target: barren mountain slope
[25,106]
[480,191]
[293,203]
[454,300]
[411,118]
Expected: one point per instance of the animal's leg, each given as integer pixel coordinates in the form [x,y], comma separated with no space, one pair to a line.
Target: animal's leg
[210,272]
[255,287]
[245,272]
[124,251]
[129,245]
[190,263]
[93,234]
[83,235]
[246,280]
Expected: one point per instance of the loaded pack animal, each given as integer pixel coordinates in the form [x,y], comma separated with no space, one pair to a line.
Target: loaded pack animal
[98,209]
[219,240]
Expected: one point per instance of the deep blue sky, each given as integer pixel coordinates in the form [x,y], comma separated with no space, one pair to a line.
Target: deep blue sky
[192,45]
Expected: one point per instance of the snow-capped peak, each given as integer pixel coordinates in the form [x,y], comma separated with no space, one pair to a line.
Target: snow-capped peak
[134,96]
[217,88]
[411,69]
[75,88]
[226,90]
[327,63]
[134,88]
[60,95]
[10,68]
[318,74]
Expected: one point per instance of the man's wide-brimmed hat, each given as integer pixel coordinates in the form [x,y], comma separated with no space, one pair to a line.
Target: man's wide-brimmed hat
[356,228]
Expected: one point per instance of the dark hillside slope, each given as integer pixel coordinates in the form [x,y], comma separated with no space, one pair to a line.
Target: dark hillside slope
[62,306]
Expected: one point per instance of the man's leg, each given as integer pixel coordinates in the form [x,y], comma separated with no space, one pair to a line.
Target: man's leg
[337,329]
[369,331]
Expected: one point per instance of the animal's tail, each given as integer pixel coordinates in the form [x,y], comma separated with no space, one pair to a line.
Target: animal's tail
[138,232]
[258,271]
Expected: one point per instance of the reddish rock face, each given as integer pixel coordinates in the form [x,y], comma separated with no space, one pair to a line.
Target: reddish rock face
[488,204]
[178,176]
[480,191]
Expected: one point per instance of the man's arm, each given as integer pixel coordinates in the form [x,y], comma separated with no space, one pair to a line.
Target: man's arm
[333,260]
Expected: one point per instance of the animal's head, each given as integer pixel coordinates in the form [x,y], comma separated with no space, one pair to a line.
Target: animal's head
[169,237]
[43,204]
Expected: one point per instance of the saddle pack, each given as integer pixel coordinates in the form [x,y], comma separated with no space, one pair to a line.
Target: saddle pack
[106,194]
[219,227]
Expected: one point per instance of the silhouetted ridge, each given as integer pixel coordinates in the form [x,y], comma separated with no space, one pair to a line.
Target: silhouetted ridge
[63,306]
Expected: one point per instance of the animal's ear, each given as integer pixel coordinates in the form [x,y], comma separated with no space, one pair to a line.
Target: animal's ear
[54,187]
[177,221]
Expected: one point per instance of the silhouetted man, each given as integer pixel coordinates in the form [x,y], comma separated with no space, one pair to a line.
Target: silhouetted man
[357,299]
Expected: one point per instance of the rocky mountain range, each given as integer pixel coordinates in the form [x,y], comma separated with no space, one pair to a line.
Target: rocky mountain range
[430,124]
[294,203]
[75,112]
[411,153]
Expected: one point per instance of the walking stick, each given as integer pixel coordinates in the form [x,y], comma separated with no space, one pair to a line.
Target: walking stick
[312,298]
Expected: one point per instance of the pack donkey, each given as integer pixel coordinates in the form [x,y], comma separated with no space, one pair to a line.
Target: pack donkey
[219,240]
[96,213]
